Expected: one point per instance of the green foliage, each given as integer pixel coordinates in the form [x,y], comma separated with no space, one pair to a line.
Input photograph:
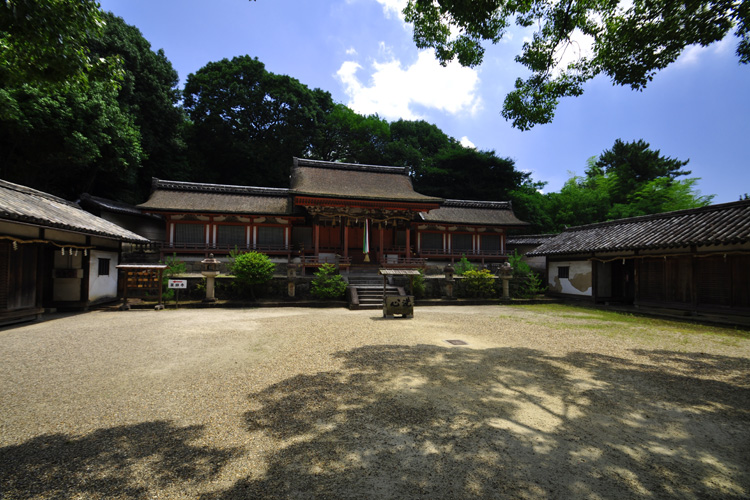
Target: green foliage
[418,285]
[328,283]
[517,264]
[632,42]
[525,283]
[463,266]
[99,138]
[478,284]
[346,136]
[45,43]
[626,181]
[465,173]
[67,142]
[247,122]
[149,93]
[174,268]
[252,268]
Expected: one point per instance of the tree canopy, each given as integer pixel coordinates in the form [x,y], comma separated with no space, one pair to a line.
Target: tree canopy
[628,180]
[632,41]
[47,42]
[247,123]
[72,136]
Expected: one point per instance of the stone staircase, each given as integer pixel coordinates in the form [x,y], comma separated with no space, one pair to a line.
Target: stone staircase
[366,291]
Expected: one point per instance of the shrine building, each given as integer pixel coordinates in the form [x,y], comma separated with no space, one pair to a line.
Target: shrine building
[348,214]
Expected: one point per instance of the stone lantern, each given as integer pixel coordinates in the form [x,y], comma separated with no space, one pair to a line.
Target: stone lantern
[449,280]
[291,275]
[506,273]
[210,269]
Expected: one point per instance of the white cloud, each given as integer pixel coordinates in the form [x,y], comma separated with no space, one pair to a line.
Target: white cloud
[465,142]
[393,7]
[579,46]
[393,91]
[351,51]
[693,53]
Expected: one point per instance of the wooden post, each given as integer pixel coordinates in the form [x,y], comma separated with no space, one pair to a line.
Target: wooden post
[408,242]
[316,239]
[159,276]
[693,280]
[346,240]
[636,274]
[380,244]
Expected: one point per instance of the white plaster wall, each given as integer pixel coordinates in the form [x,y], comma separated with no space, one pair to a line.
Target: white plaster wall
[580,272]
[102,287]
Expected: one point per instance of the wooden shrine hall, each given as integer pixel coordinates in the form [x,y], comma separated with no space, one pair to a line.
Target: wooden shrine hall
[349,214]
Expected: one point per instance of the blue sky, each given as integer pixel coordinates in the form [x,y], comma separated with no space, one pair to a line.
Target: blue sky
[362,52]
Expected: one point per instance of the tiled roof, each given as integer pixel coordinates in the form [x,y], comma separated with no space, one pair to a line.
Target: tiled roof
[529,239]
[196,197]
[474,212]
[22,204]
[95,202]
[353,181]
[727,223]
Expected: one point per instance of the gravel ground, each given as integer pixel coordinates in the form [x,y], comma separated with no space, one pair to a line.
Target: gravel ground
[542,402]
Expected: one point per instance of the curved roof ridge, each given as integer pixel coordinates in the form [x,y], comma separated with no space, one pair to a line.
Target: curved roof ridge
[662,215]
[217,188]
[304,162]
[478,204]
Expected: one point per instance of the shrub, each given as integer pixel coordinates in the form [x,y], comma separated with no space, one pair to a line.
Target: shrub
[479,283]
[328,283]
[252,268]
[526,283]
[463,265]
[418,286]
[174,268]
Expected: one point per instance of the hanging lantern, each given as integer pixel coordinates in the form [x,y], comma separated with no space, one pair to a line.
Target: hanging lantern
[62,250]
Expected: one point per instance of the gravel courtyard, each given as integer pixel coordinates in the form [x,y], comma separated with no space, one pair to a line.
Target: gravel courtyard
[543,402]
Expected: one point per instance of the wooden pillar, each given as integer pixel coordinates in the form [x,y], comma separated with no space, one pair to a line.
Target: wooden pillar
[86,265]
[636,275]
[380,244]
[408,242]
[594,278]
[346,240]
[316,239]
[693,280]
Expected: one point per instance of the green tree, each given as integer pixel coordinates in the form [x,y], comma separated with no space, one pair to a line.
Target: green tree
[415,143]
[67,142]
[631,41]
[328,283]
[149,92]
[532,206]
[467,173]
[46,42]
[251,269]
[343,135]
[631,165]
[247,123]
[626,181]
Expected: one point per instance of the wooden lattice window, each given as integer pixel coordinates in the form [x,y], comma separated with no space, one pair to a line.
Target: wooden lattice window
[104,267]
[231,236]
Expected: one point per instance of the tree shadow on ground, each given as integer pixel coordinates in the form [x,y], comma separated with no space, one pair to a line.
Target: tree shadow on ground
[441,422]
[121,462]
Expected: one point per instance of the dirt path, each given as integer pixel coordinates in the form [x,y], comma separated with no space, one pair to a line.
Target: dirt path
[542,402]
